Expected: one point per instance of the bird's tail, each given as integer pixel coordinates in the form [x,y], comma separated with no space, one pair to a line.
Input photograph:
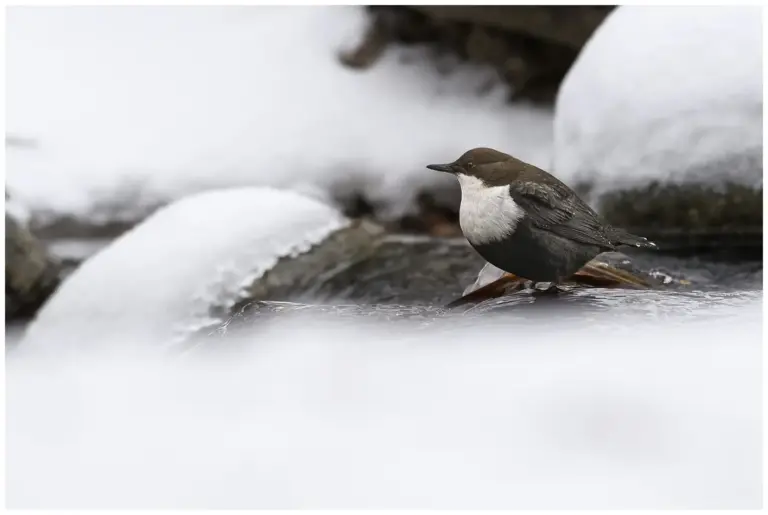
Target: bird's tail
[622,237]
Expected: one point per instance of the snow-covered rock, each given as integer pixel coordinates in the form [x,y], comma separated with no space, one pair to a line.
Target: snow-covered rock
[659,92]
[156,103]
[665,94]
[162,280]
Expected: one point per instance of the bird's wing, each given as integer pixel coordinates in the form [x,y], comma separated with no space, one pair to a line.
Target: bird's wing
[554,208]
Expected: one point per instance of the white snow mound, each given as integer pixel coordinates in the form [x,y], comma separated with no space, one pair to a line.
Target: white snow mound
[158,281]
[659,92]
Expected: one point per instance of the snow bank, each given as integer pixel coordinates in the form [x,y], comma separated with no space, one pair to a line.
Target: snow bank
[644,413]
[661,92]
[166,101]
[158,282]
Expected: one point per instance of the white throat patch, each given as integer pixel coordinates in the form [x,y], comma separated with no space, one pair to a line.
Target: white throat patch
[486,214]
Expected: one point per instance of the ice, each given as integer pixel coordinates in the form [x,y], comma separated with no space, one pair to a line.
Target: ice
[159,281]
[660,91]
[166,101]
[508,414]
[486,276]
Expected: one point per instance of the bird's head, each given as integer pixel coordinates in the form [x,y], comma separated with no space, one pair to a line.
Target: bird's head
[482,163]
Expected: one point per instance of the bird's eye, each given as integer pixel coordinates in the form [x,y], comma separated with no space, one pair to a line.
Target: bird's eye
[470,165]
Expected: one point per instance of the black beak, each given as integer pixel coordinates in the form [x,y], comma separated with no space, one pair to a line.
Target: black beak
[442,168]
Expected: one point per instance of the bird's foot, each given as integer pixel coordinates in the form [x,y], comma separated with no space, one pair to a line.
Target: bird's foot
[549,288]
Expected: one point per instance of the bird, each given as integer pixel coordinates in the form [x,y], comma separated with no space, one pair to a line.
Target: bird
[525,221]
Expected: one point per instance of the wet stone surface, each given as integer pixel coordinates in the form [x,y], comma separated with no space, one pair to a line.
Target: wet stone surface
[407,279]
[413,271]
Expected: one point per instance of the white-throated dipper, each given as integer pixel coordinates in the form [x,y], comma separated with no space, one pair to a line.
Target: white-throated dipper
[525,221]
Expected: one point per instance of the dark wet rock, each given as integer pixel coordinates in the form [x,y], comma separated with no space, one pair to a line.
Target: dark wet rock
[530,47]
[680,286]
[363,266]
[568,25]
[294,276]
[384,277]
[692,217]
[411,270]
[298,276]
[65,227]
[401,278]
[31,273]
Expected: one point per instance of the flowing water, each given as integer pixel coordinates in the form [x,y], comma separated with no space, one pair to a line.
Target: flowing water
[413,278]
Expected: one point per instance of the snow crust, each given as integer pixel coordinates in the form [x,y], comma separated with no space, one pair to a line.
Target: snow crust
[660,92]
[644,412]
[158,282]
[131,106]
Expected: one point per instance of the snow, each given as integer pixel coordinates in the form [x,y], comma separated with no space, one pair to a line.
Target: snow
[17,210]
[131,106]
[644,413]
[660,92]
[127,106]
[159,281]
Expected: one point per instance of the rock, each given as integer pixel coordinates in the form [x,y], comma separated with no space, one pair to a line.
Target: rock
[530,47]
[407,278]
[378,288]
[177,271]
[396,277]
[608,270]
[305,274]
[670,146]
[692,218]
[409,270]
[31,273]
[363,270]
[567,25]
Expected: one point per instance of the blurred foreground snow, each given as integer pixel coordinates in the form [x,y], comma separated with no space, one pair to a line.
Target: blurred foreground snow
[513,414]
[155,102]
